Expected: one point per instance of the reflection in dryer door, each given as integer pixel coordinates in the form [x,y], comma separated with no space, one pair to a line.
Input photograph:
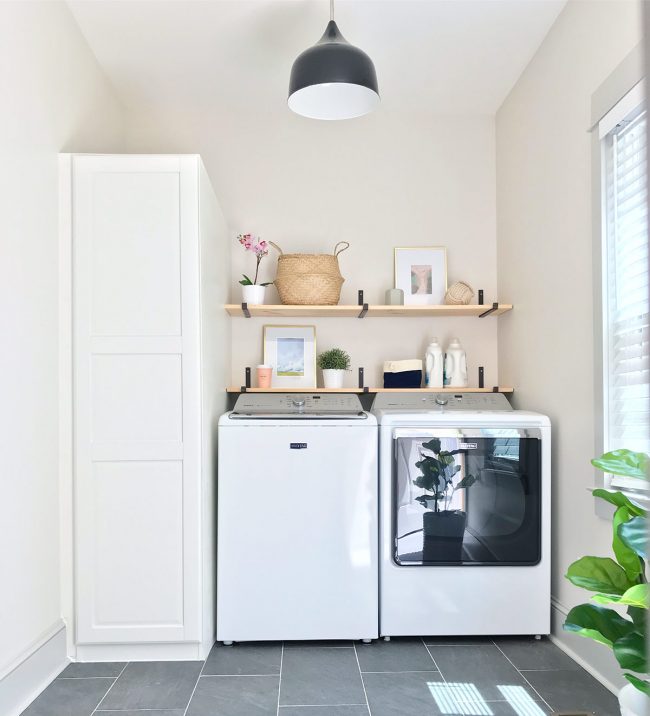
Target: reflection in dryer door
[467,500]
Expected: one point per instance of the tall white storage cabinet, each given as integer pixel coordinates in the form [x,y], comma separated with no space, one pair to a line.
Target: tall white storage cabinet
[149,277]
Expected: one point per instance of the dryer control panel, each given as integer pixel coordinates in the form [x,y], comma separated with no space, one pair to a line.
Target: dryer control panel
[408,402]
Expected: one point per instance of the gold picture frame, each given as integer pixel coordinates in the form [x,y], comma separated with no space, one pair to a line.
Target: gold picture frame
[421,273]
[290,350]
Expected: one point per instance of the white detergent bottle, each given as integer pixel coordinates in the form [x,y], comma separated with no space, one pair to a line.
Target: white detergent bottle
[433,365]
[455,365]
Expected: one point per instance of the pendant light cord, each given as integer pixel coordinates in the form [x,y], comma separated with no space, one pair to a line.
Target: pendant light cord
[331,9]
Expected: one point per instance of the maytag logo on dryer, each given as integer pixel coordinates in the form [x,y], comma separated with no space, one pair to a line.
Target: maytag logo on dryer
[468,446]
[298,446]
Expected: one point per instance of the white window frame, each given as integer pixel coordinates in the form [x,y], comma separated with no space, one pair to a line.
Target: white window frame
[628,108]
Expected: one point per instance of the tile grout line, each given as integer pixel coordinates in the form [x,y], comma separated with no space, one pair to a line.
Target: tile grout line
[315,706]
[109,689]
[363,685]
[83,678]
[524,678]
[198,678]
[406,671]
[280,679]
[426,646]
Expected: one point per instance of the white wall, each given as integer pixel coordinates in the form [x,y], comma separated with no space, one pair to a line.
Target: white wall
[380,181]
[544,240]
[54,98]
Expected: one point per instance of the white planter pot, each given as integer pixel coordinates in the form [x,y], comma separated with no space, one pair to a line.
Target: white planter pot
[633,702]
[333,378]
[253,295]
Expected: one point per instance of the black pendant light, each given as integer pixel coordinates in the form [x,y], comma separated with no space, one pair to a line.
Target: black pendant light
[333,79]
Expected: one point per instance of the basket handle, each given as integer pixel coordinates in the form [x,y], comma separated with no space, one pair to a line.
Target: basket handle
[340,251]
[276,247]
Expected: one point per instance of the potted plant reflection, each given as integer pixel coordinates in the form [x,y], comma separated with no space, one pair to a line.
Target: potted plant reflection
[443,528]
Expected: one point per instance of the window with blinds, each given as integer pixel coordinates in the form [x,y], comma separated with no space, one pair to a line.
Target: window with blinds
[625,280]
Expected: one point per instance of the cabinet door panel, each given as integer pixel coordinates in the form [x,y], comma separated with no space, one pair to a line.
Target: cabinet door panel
[136,398]
[137,555]
[135,253]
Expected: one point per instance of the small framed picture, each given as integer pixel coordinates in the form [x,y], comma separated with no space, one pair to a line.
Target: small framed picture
[421,272]
[291,353]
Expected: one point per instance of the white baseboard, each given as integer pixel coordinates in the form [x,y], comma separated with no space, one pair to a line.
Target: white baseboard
[190,651]
[595,658]
[24,679]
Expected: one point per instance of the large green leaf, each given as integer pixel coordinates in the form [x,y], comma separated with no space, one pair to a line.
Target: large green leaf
[629,651]
[623,462]
[625,556]
[640,684]
[634,534]
[433,445]
[620,500]
[599,574]
[599,623]
[636,596]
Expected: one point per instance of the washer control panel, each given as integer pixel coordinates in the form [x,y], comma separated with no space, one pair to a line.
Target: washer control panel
[294,405]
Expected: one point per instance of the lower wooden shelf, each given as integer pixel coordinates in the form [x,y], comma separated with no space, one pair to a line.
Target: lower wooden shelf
[500,389]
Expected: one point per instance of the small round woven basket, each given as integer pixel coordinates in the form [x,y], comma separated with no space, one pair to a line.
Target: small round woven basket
[459,294]
[310,279]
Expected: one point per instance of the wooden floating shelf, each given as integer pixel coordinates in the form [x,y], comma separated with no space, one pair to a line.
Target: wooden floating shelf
[376,311]
[501,389]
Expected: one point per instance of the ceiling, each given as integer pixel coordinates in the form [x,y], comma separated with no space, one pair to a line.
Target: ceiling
[432,56]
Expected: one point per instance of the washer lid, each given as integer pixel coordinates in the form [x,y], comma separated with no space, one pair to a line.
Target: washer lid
[333,406]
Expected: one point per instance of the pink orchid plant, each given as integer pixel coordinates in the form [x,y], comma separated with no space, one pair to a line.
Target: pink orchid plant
[260,248]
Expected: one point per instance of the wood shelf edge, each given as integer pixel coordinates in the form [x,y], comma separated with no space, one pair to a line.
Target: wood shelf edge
[374,310]
[502,389]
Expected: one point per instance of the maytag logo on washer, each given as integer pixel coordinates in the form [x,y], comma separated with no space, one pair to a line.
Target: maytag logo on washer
[298,446]
[468,446]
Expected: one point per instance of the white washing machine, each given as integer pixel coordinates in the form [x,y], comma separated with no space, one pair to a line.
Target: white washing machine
[465,494]
[297,519]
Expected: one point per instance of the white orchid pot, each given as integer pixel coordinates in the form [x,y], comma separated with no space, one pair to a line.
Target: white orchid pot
[333,378]
[633,702]
[253,295]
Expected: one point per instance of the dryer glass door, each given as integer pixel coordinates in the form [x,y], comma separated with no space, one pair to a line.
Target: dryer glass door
[465,497]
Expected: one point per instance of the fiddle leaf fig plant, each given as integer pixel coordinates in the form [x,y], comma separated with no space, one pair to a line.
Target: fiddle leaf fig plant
[438,468]
[621,583]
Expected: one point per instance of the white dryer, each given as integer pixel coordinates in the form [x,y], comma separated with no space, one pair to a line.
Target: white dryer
[465,495]
[297,519]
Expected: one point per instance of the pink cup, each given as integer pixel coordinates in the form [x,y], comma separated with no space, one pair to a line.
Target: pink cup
[264,373]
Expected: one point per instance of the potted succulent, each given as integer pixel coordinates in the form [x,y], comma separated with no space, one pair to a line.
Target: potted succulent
[334,363]
[620,583]
[443,529]
[253,292]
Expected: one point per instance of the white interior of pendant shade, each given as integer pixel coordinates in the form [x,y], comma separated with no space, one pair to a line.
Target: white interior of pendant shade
[333,100]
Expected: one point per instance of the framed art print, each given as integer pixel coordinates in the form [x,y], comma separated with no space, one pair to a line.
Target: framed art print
[291,353]
[421,272]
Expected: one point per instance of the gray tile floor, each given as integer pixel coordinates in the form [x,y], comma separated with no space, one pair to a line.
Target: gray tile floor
[403,677]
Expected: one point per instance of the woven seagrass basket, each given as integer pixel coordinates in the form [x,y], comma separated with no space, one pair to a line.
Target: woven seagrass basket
[309,279]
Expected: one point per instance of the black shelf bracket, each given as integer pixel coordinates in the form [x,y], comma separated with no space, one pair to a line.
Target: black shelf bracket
[362,381]
[246,312]
[495,307]
[364,306]
[247,374]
